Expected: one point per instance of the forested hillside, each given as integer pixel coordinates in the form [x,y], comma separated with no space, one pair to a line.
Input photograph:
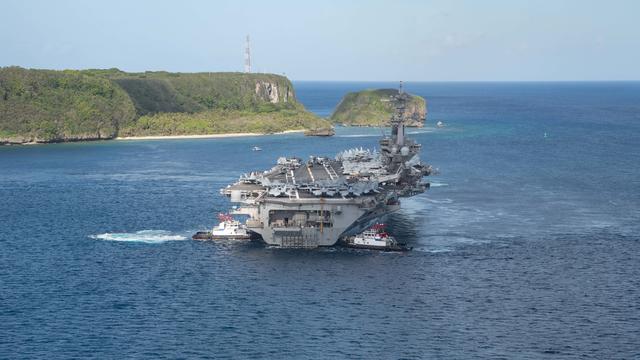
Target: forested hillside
[48,106]
[375,107]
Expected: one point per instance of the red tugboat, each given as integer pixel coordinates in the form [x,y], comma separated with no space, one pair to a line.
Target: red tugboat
[375,238]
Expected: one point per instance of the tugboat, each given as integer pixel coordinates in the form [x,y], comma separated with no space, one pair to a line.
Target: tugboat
[228,229]
[375,238]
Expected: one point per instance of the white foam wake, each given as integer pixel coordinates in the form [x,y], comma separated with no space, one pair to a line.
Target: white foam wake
[146,236]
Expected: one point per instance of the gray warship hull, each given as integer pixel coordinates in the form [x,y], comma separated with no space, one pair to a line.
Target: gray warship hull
[308,223]
[317,202]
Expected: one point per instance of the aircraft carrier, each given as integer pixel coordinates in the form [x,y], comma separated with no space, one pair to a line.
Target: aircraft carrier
[306,204]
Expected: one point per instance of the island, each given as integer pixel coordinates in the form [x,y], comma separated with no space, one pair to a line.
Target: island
[374,108]
[42,106]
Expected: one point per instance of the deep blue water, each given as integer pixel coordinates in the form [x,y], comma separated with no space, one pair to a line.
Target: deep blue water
[526,246]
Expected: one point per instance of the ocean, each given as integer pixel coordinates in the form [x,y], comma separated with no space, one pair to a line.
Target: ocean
[527,245]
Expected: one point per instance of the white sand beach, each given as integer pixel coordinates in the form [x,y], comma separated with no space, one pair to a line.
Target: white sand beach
[209,136]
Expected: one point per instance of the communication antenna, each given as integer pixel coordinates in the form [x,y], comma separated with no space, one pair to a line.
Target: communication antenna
[247,56]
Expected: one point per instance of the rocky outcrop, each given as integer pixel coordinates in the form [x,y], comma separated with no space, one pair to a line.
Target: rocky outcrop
[19,139]
[416,112]
[375,108]
[267,91]
[273,92]
[320,132]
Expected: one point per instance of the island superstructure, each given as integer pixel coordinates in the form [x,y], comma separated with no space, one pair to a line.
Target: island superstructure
[318,201]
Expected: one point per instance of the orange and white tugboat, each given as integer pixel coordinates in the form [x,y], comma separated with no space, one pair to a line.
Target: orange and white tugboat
[228,229]
[375,238]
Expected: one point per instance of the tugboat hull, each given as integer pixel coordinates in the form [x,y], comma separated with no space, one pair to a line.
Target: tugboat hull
[206,235]
[398,247]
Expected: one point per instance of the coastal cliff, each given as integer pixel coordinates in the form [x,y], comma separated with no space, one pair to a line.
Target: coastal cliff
[375,107]
[72,105]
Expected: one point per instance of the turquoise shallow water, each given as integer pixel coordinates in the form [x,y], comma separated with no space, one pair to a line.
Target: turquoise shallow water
[526,246]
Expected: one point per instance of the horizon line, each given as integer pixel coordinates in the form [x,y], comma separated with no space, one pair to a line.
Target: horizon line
[470,81]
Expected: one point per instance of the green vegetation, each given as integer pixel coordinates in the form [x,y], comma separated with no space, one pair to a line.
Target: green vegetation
[375,107]
[223,121]
[154,92]
[47,105]
[44,105]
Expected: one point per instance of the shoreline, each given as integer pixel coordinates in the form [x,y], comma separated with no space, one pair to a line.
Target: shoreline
[207,136]
[152,137]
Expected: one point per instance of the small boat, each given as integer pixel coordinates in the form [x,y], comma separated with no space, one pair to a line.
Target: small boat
[440,124]
[375,238]
[227,229]
[256,148]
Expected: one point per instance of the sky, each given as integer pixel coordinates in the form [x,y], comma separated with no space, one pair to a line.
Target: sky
[491,40]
